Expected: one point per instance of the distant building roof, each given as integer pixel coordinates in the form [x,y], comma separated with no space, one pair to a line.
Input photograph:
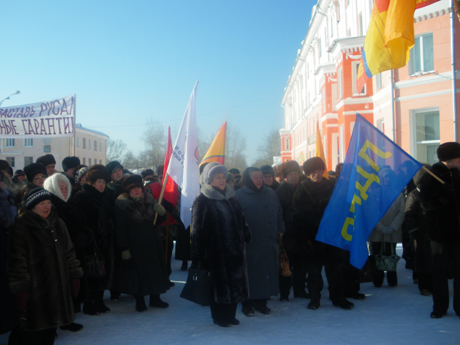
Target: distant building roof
[78,125]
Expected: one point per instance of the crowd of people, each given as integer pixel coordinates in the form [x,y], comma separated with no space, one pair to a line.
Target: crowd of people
[67,237]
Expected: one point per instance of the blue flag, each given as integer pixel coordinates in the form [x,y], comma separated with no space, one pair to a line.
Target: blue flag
[360,198]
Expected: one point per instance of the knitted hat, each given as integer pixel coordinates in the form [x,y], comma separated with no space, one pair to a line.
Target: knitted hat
[33,169]
[448,151]
[211,170]
[112,166]
[313,164]
[131,182]
[147,172]
[52,185]
[288,167]
[79,172]
[35,196]
[19,172]
[46,160]
[97,172]
[267,169]
[70,162]
[5,166]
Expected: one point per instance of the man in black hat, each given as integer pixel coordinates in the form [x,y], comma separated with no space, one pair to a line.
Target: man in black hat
[115,170]
[269,176]
[19,178]
[6,169]
[441,202]
[68,165]
[49,162]
[310,201]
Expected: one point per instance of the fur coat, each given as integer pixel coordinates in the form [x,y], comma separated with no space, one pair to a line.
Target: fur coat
[41,261]
[219,233]
[134,230]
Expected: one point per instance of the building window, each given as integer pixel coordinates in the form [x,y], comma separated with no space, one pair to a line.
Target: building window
[10,161]
[84,159]
[319,47]
[339,81]
[47,148]
[421,55]
[47,141]
[84,143]
[287,144]
[89,161]
[334,97]
[89,144]
[9,143]
[28,142]
[28,161]
[100,161]
[355,68]
[78,141]
[427,136]
[360,24]
[100,146]
[378,81]
[95,145]
[323,96]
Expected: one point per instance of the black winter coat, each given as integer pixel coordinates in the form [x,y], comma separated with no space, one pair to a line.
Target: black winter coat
[310,201]
[219,233]
[41,261]
[441,203]
[134,230]
[98,216]
[285,194]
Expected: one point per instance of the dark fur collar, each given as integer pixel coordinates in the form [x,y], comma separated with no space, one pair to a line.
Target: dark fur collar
[137,211]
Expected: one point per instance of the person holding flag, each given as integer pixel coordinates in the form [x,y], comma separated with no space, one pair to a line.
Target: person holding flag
[310,201]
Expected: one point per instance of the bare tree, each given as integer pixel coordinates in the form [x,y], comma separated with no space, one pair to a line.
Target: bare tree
[234,149]
[131,161]
[270,148]
[116,150]
[154,138]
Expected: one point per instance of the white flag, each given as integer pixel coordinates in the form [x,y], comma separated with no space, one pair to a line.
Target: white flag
[183,166]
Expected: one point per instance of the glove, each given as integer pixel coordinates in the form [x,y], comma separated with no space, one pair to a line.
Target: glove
[126,254]
[75,287]
[21,301]
[387,230]
[159,209]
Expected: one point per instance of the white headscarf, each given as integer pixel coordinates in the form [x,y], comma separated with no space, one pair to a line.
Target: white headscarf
[52,185]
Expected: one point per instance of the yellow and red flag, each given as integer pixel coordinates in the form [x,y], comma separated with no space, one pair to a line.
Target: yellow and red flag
[320,150]
[423,3]
[389,38]
[216,152]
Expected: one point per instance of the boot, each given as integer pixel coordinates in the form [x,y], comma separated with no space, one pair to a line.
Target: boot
[99,302]
[156,302]
[140,304]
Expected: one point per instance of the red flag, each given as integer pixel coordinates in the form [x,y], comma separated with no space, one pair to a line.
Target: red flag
[171,193]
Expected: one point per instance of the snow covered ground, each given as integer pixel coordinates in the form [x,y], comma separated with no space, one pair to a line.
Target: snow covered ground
[397,315]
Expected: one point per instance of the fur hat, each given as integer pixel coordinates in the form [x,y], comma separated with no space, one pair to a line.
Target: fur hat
[112,166]
[211,170]
[313,164]
[35,196]
[19,172]
[70,162]
[234,171]
[131,182]
[46,160]
[267,169]
[97,172]
[448,151]
[230,177]
[288,167]
[5,166]
[147,172]
[33,169]
[79,172]
[52,185]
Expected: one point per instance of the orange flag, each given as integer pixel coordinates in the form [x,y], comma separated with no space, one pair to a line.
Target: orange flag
[320,150]
[216,152]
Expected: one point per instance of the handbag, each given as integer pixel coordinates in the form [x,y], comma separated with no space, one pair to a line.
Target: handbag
[197,289]
[95,263]
[386,262]
[285,271]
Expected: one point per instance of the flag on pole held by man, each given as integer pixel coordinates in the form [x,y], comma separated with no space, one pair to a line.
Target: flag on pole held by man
[183,166]
[320,150]
[216,152]
[171,192]
[359,199]
[389,38]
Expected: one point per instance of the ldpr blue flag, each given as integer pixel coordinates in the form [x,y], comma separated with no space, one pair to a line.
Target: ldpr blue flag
[361,198]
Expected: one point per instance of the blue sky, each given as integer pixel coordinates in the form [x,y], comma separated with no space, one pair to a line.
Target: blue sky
[133,61]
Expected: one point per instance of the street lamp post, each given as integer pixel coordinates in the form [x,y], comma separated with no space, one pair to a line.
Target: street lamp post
[1,139]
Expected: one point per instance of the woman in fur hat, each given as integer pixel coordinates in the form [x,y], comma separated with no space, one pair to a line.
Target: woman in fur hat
[94,203]
[36,175]
[43,271]
[139,241]
[219,234]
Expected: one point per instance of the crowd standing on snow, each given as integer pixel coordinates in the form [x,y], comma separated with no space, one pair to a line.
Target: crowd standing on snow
[66,237]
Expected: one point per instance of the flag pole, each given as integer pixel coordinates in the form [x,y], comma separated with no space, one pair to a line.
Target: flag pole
[161,197]
[436,177]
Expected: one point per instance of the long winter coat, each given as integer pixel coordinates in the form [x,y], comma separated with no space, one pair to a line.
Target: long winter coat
[8,212]
[219,234]
[134,230]
[441,203]
[98,216]
[285,193]
[309,202]
[393,218]
[41,261]
[264,216]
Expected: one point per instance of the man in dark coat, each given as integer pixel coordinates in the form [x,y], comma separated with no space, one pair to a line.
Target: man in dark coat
[49,162]
[441,202]
[310,201]
[68,165]
[269,176]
